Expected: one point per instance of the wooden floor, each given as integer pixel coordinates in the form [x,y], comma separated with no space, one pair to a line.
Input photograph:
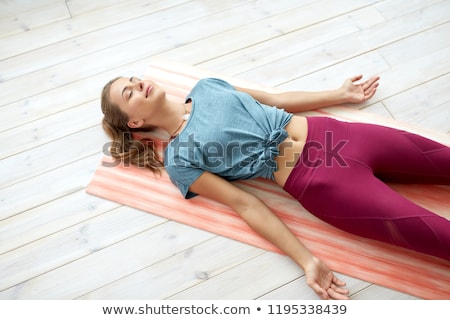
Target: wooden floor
[57,242]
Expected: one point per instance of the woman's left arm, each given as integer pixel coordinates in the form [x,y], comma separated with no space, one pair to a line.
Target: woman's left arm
[298,101]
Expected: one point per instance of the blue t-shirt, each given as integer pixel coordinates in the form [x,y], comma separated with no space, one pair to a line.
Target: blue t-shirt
[228,133]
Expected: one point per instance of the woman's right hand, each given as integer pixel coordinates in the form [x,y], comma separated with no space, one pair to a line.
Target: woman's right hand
[354,92]
[322,280]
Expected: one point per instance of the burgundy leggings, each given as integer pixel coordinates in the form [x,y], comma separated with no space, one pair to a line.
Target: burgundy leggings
[340,178]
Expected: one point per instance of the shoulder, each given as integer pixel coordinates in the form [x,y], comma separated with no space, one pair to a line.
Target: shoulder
[183,177]
[213,83]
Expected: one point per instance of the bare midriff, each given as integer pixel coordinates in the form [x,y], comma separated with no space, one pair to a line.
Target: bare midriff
[291,148]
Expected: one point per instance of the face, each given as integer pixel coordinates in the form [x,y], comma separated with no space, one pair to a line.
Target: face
[139,99]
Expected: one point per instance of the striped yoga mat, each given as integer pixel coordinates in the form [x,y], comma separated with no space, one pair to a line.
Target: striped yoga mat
[400,269]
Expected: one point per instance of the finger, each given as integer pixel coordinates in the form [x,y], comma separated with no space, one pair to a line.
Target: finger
[371,82]
[370,86]
[369,93]
[338,286]
[320,291]
[340,290]
[356,78]
[338,282]
[336,295]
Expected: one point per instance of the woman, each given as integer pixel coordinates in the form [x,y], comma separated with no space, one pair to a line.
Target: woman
[223,133]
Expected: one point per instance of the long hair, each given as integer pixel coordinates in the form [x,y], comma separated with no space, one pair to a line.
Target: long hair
[124,147]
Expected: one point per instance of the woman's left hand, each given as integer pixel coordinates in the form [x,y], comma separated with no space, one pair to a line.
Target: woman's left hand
[322,280]
[359,92]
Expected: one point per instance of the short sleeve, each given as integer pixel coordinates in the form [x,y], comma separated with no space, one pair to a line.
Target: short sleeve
[183,178]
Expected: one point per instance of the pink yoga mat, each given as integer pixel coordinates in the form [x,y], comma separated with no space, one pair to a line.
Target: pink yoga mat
[400,269]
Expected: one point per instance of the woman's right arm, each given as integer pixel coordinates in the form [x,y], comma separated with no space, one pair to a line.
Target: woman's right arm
[299,101]
[261,219]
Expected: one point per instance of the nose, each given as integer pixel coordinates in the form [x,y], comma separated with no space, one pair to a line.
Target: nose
[139,85]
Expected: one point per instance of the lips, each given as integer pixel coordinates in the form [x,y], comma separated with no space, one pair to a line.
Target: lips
[149,89]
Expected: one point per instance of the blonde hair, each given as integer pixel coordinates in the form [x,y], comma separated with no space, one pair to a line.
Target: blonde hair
[124,147]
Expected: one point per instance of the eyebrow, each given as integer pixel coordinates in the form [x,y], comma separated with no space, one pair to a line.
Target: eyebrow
[126,87]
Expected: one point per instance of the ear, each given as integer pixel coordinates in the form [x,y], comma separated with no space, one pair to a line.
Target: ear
[135,123]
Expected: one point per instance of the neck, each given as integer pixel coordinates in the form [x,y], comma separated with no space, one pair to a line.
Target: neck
[171,118]
[174,133]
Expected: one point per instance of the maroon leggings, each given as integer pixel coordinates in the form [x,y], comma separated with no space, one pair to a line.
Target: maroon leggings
[340,177]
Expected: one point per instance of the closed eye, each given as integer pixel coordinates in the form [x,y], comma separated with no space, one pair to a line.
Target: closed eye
[130,93]
[132,80]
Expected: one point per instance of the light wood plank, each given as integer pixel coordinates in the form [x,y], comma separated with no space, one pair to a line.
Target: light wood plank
[300,40]
[394,80]
[259,31]
[375,292]
[396,8]
[11,8]
[50,218]
[50,128]
[299,290]
[44,188]
[180,272]
[76,26]
[80,7]
[426,104]
[62,98]
[88,273]
[416,46]
[72,244]
[348,47]
[143,47]
[258,274]
[67,149]
[153,22]
[407,75]
[331,77]
[379,109]
[25,21]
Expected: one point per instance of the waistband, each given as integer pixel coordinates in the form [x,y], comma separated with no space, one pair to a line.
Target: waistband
[323,132]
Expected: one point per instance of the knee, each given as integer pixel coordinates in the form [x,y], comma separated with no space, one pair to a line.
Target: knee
[426,234]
